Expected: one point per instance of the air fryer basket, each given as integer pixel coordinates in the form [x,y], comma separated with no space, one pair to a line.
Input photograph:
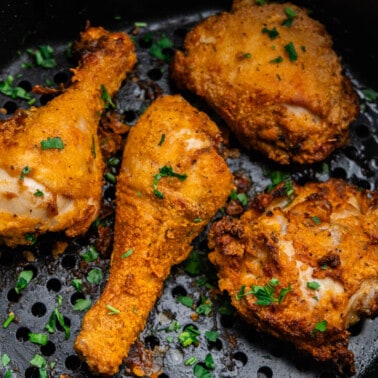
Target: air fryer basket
[238,350]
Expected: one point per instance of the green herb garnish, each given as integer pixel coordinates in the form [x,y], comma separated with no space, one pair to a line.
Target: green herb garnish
[94,276]
[265,295]
[52,143]
[23,280]
[279,59]
[290,49]
[82,304]
[128,253]
[313,285]
[185,300]
[106,98]
[272,33]
[290,13]
[9,319]
[43,56]
[320,327]
[165,171]
[8,88]
[90,255]
[112,310]
[162,139]
[189,336]
[158,47]
[38,338]
[212,336]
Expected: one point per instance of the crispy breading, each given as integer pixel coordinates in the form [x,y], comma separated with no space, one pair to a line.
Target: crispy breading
[321,245]
[171,184]
[58,187]
[271,73]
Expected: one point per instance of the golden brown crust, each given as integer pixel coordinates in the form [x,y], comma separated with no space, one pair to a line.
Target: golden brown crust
[292,111]
[61,174]
[159,231]
[327,235]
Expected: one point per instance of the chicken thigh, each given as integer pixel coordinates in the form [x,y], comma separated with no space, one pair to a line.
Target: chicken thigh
[271,73]
[171,184]
[302,265]
[50,163]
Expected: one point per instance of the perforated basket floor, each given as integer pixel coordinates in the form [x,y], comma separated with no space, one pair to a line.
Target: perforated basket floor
[238,351]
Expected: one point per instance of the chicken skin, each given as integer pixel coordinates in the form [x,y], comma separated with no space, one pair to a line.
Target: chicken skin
[303,268]
[171,184]
[271,73]
[50,163]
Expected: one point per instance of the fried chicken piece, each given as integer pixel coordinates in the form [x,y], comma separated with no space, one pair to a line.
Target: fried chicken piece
[51,166]
[171,184]
[313,258]
[270,72]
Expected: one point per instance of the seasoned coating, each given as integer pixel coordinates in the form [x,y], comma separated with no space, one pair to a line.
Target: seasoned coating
[157,217]
[321,245]
[55,187]
[270,72]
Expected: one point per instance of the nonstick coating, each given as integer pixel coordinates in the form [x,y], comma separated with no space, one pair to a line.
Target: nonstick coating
[239,351]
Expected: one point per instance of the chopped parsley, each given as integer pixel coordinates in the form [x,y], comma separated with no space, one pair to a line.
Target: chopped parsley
[241,197]
[316,220]
[247,55]
[290,49]
[279,59]
[106,98]
[93,147]
[205,307]
[25,171]
[52,143]
[23,280]
[158,48]
[165,171]
[8,88]
[9,319]
[38,338]
[212,336]
[57,317]
[82,304]
[112,310]
[265,295]
[5,360]
[43,56]
[140,24]
[313,285]
[128,253]
[77,283]
[185,300]
[189,336]
[162,139]
[272,33]
[370,95]
[94,276]
[320,327]
[190,361]
[290,13]
[39,193]
[90,255]
[113,161]
[31,238]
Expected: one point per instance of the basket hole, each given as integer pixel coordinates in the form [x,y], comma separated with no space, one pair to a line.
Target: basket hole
[363,184]
[351,152]
[32,268]
[264,372]
[76,296]
[215,345]
[32,372]
[362,131]
[327,374]
[68,261]
[38,309]
[178,290]
[61,78]
[13,296]
[10,107]
[48,349]
[129,116]
[155,74]
[241,358]
[53,284]
[151,342]
[227,321]
[45,98]
[339,173]
[25,84]
[163,375]
[72,362]
[356,329]
[22,334]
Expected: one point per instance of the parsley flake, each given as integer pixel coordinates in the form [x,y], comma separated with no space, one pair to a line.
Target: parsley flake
[128,253]
[25,171]
[52,143]
[313,285]
[43,56]
[290,49]
[165,171]
[320,327]
[112,310]
[290,13]
[272,33]
[106,98]
[23,280]
[8,88]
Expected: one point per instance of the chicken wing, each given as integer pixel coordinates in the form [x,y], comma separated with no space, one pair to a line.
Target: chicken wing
[271,73]
[50,163]
[171,184]
[303,267]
